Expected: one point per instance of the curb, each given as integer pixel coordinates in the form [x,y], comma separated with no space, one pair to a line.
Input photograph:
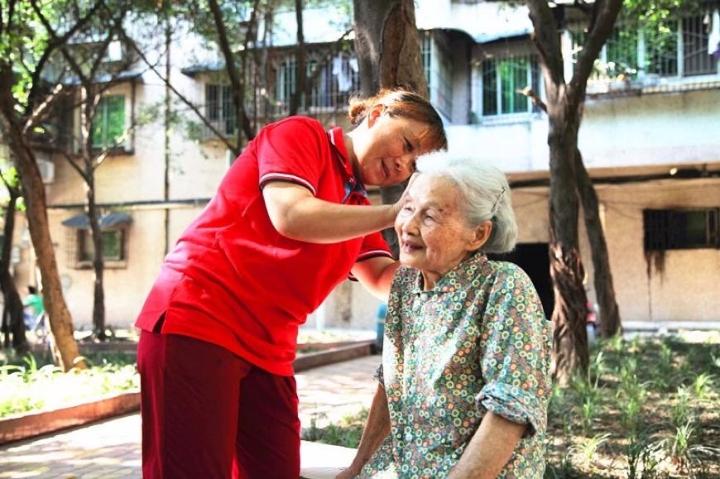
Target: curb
[42,422]
[16,428]
[335,355]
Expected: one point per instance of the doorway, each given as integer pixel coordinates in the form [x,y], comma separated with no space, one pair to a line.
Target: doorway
[533,258]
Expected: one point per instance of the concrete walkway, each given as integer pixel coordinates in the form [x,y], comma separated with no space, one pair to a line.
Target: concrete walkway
[111,449]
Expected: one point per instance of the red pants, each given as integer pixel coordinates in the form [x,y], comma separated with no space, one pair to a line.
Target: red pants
[207,413]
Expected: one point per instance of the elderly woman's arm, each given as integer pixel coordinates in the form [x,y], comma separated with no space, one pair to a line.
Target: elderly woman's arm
[489,449]
[375,432]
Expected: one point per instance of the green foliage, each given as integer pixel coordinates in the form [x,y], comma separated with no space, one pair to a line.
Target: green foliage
[29,386]
[346,433]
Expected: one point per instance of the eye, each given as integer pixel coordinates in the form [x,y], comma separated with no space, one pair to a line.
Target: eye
[408,146]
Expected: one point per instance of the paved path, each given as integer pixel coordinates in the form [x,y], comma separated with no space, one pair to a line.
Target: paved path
[111,449]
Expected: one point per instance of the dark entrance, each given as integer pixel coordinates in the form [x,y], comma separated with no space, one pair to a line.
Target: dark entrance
[534,260]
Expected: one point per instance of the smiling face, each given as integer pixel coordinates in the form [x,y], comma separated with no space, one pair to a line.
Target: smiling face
[432,229]
[385,148]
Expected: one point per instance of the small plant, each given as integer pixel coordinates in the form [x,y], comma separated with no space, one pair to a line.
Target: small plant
[681,410]
[589,446]
[643,457]
[681,445]
[702,386]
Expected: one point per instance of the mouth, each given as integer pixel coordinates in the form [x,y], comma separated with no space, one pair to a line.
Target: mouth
[409,246]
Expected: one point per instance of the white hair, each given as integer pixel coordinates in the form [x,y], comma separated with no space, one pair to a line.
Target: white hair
[486,193]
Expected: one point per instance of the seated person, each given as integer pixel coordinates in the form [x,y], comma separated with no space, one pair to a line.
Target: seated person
[464,382]
[33,308]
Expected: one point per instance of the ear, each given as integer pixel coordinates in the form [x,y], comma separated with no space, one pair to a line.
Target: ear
[481,235]
[374,114]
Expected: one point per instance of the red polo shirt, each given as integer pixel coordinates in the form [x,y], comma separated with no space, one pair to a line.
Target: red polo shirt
[232,279]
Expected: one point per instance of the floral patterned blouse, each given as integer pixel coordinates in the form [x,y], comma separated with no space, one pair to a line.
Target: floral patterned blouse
[478,341]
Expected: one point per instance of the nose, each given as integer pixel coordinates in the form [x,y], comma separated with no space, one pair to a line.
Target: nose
[409,223]
[405,164]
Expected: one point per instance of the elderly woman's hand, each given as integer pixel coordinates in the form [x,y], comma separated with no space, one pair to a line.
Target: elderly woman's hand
[348,473]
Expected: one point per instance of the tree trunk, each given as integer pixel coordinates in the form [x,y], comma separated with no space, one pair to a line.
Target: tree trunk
[388,48]
[13,308]
[570,346]
[98,263]
[65,347]
[298,97]
[609,315]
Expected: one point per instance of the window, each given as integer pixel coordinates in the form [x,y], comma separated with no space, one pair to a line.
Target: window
[220,108]
[678,51]
[113,245]
[438,68]
[108,128]
[503,80]
[681,229]
[333,82]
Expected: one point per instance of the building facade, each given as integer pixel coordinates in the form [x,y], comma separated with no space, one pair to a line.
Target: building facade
[650,139]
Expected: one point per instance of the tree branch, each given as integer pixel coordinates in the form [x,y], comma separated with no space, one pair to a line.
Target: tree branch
[601,27]
[182,97]
[51,48]
[39,113]
[547,41]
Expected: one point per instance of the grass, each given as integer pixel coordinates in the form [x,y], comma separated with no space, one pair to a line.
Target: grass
[346,433]
[27,385]
[646,409]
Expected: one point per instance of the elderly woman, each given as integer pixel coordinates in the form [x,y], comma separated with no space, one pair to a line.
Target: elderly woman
[464,383]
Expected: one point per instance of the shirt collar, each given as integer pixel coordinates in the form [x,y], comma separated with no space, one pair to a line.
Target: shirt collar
[457,278]
[353,184]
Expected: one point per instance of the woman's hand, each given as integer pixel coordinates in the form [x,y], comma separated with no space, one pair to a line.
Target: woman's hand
[348,473]
[397,206]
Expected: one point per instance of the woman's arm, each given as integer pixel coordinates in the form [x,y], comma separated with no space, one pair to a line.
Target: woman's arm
[489,449]
[297,214]
[375,432]
[376,275]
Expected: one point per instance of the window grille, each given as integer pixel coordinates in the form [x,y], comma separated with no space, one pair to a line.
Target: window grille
[336,81]
[220,109]
[503,80]
[681,229]
[678,51]
[696,58]
[113,245]
[438,69]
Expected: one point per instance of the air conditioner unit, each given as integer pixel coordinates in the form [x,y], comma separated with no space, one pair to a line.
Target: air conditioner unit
[47,171]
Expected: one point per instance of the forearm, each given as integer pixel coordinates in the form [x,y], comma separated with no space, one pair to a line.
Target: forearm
[298,215]
[376,275]
[376,430]
[490,448]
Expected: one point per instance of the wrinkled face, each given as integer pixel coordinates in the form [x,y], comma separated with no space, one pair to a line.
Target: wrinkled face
[385,153]
[432,230]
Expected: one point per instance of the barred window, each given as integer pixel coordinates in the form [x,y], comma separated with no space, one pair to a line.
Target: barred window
[503,80]
[219,108]
[681,50]
[681,229]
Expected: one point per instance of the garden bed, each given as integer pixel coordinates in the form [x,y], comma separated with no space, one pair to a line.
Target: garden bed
[37,400]
[648,408]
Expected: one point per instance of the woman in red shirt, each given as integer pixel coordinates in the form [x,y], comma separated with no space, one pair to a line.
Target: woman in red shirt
[289,222]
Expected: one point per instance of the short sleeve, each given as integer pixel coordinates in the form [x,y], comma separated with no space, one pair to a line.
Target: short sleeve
[373,245]
[516,341]
[292,150]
